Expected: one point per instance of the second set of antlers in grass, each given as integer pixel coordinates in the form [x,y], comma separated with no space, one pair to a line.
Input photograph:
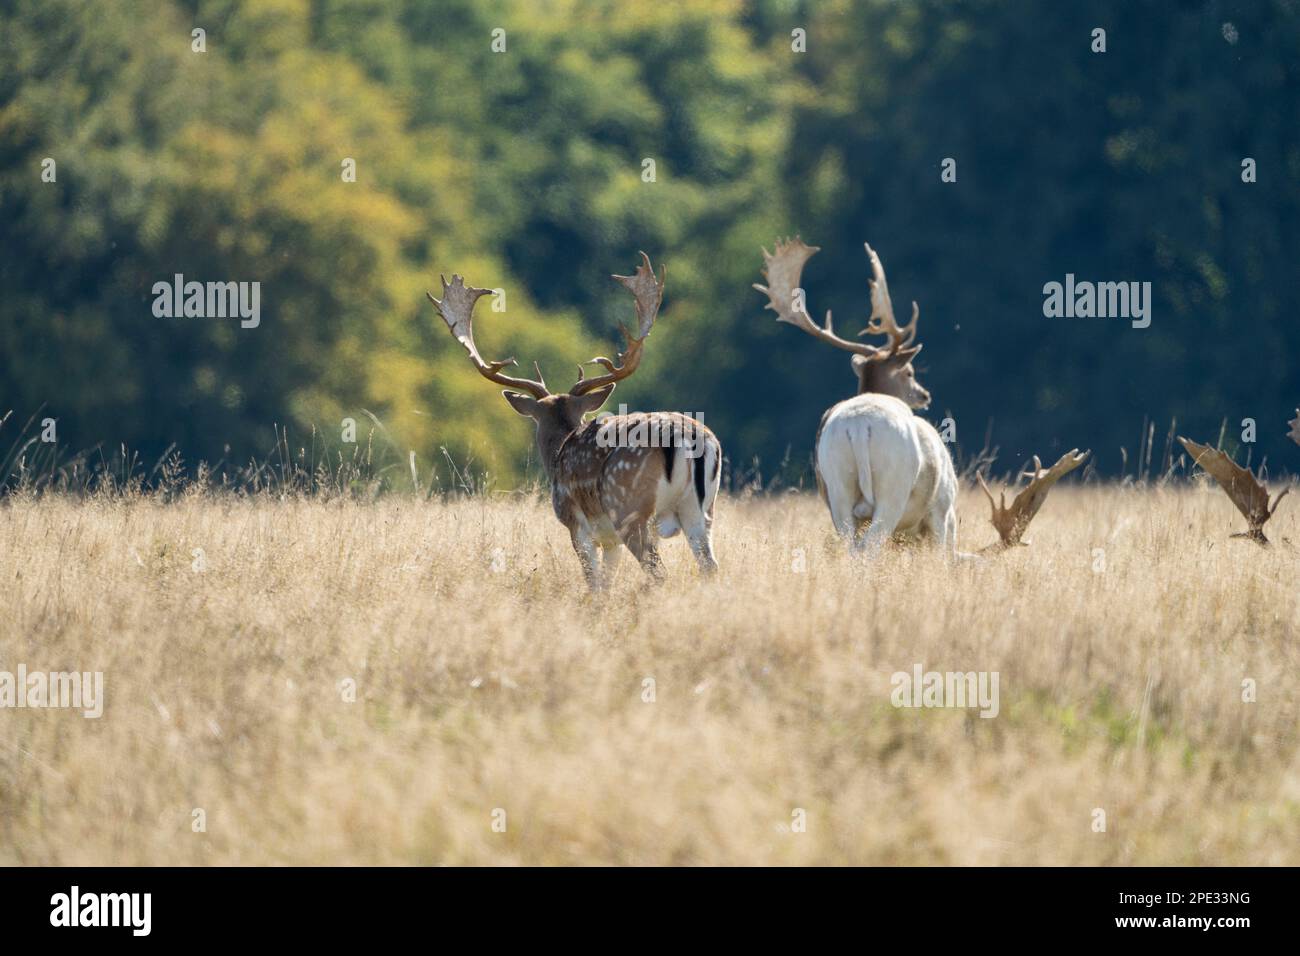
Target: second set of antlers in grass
[1243,487]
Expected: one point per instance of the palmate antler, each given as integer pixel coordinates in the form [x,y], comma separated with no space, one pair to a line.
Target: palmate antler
[1246,491]
[882,321]
[457,309]
[648,292]
[1011,522]
[783,270]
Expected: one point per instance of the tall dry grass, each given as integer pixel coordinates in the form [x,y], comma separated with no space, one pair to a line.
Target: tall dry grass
[511,689]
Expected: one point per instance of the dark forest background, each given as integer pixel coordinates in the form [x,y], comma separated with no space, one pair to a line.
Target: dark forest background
[523,170]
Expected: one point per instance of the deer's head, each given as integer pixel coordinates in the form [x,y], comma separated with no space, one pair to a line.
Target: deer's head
[887,368]
[556,415]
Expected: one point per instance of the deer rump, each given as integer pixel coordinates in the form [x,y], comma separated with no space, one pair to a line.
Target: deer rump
[616,485]
[877,462]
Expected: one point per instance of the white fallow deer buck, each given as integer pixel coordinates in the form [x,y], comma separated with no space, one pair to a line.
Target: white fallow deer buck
[611,478]
[875,460]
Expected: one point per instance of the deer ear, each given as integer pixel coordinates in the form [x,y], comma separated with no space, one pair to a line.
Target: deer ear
[588,403]
[522,404]
[906,355]
[861,364]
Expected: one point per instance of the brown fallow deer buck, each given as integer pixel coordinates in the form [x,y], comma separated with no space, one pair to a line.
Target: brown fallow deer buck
[611,478]
[1246,491]
[1010,521]
[875,460]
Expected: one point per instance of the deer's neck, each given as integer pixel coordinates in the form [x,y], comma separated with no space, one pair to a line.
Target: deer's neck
[550,439]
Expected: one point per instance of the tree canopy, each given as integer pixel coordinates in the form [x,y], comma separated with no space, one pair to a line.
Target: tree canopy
[535,148]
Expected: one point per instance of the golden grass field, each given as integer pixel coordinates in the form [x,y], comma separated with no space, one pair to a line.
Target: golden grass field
[513,689]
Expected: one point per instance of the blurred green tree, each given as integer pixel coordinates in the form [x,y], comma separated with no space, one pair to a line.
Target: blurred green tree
[511,144]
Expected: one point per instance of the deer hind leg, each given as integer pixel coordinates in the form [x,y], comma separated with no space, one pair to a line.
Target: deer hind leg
[950,534]
[839,487]
[636,534]
[711,467]
[841,497]
[939,527]
[841,501]
[892,489]
[943,519]
[837,478]
[701,541]
[695,522]
[695,507]
[609,555]
[886,478]
[611,549]
[883,523]
[584,545]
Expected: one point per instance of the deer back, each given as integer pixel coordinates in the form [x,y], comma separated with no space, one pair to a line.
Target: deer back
[614,466]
